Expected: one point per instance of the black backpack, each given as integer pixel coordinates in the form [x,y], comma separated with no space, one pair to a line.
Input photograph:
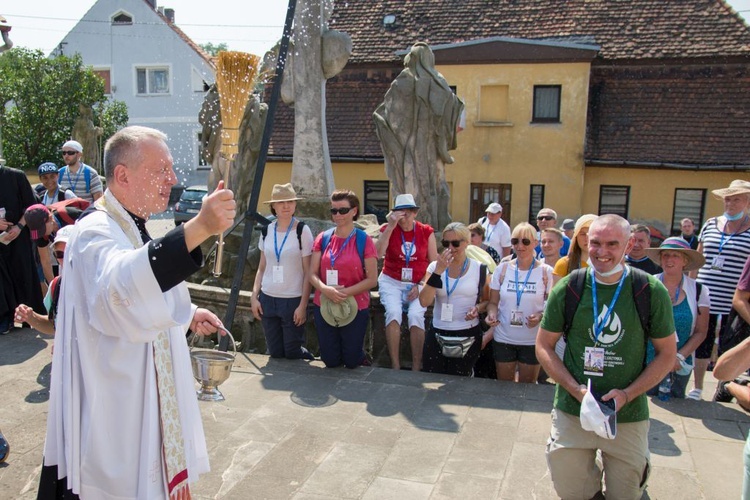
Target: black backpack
[300,225]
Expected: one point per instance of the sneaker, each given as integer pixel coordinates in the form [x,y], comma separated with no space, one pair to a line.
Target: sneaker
[695,394]
[4,448]
[722,395]
[307,355]
[6,324]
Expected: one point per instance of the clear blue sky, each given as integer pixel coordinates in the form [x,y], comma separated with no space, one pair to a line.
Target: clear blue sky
[246,25]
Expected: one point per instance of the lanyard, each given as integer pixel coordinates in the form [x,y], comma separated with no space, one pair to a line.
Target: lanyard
[74,185]
[408,248]
[677,293]
[522,288]
[276,241]
[448,289]
[599,325]
[46,197]
[346,242]
[722,242]
[489,233]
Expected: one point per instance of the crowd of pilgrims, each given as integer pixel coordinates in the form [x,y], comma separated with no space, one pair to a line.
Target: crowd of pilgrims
[468,298]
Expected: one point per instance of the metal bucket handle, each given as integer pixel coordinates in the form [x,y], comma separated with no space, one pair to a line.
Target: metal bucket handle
[231,341]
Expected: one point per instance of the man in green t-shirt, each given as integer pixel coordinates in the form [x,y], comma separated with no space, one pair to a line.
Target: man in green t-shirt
[608,350]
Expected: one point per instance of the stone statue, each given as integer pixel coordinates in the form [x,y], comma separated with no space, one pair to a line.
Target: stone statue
[246,162]
[316,55]
[5,32]
[417,126]
[88,135]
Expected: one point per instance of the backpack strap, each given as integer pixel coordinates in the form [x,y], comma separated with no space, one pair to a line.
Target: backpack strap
[86,177]
[300,226]
[482,279]
[642,299]
[359,235]
[698,292]
[54,286]
[573,295]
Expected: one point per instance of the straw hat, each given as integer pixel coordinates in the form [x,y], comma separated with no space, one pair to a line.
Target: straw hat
[340,314]
[283,192]
[404,202]
[695,259]
[737,186]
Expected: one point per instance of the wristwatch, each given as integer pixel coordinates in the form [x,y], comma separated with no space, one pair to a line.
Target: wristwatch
[20,226]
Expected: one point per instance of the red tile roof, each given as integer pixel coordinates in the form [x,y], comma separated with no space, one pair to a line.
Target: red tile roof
[627,29]
[695,115]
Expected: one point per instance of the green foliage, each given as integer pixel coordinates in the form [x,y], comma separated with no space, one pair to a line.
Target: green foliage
[39,99]
[213,50]
[111,116]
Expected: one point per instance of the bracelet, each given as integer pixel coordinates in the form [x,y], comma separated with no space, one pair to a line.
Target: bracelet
[435,281]
[20,226]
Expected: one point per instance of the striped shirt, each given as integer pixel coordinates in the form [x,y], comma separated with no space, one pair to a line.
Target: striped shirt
[734,252]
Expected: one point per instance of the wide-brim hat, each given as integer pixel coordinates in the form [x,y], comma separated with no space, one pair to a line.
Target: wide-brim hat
[737,186]
[283,192]
[340,314]
[404,202]
[696,260]
[36,217]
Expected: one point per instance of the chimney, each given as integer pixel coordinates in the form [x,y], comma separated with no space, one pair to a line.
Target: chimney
[152,3]
[160,10]
[169,13]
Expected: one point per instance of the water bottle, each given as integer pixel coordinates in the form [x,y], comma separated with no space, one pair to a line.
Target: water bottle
[665,388]
[405,297]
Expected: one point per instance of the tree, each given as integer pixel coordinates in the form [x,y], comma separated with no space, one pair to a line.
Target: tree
[213,50]
[39,99]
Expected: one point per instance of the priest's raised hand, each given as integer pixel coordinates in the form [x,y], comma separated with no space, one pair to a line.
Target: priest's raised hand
[216,216]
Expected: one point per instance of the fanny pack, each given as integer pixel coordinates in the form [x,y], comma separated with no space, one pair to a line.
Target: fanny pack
[454,347]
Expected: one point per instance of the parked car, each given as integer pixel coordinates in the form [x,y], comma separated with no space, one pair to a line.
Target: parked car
[189,204]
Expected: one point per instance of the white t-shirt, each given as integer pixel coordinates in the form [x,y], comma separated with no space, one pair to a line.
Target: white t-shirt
[532,300]
[463,298]
[497,236]
[292,273]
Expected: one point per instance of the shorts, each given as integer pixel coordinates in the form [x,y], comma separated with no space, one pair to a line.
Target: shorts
[510,353]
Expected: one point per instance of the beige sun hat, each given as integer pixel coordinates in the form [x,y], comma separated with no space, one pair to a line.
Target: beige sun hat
[340,314]
[737,186]
[283,192]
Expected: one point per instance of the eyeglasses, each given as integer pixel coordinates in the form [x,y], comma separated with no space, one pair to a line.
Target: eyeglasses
[448,243]
[59,254]
[342,211]
[545,217]
[69,153]
[526,242]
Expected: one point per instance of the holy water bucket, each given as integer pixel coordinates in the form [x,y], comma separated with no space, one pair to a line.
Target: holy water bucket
[211,369]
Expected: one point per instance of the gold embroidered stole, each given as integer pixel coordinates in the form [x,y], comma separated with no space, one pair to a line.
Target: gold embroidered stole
[173,447]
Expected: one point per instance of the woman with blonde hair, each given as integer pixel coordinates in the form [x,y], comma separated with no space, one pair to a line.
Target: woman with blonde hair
[518,293]
[578,255]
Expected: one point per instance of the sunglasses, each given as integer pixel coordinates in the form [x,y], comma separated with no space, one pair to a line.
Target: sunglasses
[342,211]
[448,243]
[69,153]
[59,254]
[545,217]
[526,242]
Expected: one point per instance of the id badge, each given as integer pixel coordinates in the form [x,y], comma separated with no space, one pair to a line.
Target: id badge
[593,361]
[406,274]
[516,318]
[278,274]
[718,263]
[332,277]
[446,313]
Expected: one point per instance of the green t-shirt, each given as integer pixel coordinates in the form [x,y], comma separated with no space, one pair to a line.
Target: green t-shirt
[622,339]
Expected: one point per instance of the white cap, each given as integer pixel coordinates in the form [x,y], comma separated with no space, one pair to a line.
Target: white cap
[73,145]
[493,208]
[63,234]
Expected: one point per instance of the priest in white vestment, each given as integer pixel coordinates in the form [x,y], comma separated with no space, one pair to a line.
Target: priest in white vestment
[124,421]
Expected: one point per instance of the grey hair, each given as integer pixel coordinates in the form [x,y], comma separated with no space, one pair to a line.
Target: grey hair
[121,149]
[612,220]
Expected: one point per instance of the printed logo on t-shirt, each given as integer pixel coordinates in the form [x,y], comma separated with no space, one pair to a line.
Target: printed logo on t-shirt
[612,331]
[408,247]
[530,287]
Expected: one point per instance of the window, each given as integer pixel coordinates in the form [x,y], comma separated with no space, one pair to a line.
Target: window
[493,103]
[104,74]
[202,165]
[484,194]
[151,81]
[546,104]
[536,201]
[688,203]
[376,199]
[614,200]
[122,18]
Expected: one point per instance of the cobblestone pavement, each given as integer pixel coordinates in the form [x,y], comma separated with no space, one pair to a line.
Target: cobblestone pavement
[293,429]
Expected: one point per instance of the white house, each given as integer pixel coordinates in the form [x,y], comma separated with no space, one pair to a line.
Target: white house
[150,64]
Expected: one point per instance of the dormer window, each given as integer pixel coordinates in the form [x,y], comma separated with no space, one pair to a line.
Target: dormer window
[122,19]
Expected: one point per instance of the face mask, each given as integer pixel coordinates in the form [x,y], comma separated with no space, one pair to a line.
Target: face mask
[737,216]
[618,268]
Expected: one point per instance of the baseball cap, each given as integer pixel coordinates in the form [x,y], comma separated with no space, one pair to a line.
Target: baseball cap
[36,219]
[47,168]
[568,225]
[493,208]
[63,234]
[75,145]
[597,416]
